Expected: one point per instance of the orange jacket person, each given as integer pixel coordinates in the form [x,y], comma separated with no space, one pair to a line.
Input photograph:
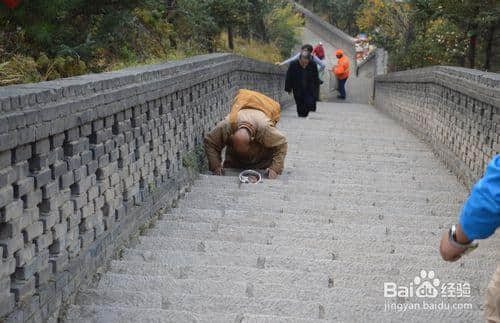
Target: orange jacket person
[341,71]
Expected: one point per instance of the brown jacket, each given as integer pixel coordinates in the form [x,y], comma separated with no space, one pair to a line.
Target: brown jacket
[268,147]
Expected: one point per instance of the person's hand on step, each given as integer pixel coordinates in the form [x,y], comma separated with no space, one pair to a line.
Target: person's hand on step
[271,174]
[218,171]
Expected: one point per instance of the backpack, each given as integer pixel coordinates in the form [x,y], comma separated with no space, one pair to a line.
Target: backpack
[246,99]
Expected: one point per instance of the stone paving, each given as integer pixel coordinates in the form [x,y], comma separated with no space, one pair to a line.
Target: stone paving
[362,202]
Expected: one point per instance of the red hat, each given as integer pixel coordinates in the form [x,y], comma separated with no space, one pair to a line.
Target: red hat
[339,52]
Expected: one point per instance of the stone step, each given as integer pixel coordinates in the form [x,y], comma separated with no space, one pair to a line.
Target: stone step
[258,285]
[418,159]
[366,152]
[339,140]
[308,282]
[233,189]
[345,285]
[331,230]
[344,140]
[371,262]
[124,314]
[219,273]
[337,309]
[299,253]
[311,186]
[335,160]
[351,132]
[278,220]
[368,178]
[356,177]
[172,285]
[222,307]
[359,153]
[375,148]
[123,298]
[327,195]
[356,141]
[367,215]
[338,249]
[361,132]
[414,182]
[379,128]
[432,212]
[312,237]
[261,203]
[106,314]
[103,314]
[310,207]
[355,133]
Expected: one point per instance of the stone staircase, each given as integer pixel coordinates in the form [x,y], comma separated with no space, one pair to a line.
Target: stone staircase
[361,202]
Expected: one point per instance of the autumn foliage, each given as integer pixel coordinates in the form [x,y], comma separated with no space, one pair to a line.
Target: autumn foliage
[423,32]
[45,40]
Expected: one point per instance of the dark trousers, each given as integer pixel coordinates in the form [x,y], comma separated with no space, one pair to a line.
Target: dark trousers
[342,88]
[317,94]
[305,104]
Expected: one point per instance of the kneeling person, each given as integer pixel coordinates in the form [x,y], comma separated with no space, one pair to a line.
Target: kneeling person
[250,136]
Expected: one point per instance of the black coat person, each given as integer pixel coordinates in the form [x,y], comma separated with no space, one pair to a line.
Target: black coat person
[302,78]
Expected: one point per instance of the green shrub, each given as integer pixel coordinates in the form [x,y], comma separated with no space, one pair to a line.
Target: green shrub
[19,69]
[282,25]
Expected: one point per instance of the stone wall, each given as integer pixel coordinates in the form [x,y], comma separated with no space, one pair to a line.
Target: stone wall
[456,110]
[373,65]
[85,161]
[328,32]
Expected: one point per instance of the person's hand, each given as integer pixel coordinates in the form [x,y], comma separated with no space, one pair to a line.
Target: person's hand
[271,173]
[277,63]
[448,251]
[218,171]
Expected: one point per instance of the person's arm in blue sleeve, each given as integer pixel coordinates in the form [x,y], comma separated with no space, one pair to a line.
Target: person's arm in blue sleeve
[481,213]
[320,63]
[291,59]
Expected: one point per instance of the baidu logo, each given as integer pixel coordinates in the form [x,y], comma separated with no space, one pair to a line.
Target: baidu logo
[424,291]
[427,285]
[424,285]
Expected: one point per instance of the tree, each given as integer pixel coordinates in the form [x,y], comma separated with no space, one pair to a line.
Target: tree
[422,32]
[282,24]
[44,40]
[340,13]
[198,23]
[390,26]
[256,15]
[492,39]
[75,28]
[229,15]
[427,32]
[475,18]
